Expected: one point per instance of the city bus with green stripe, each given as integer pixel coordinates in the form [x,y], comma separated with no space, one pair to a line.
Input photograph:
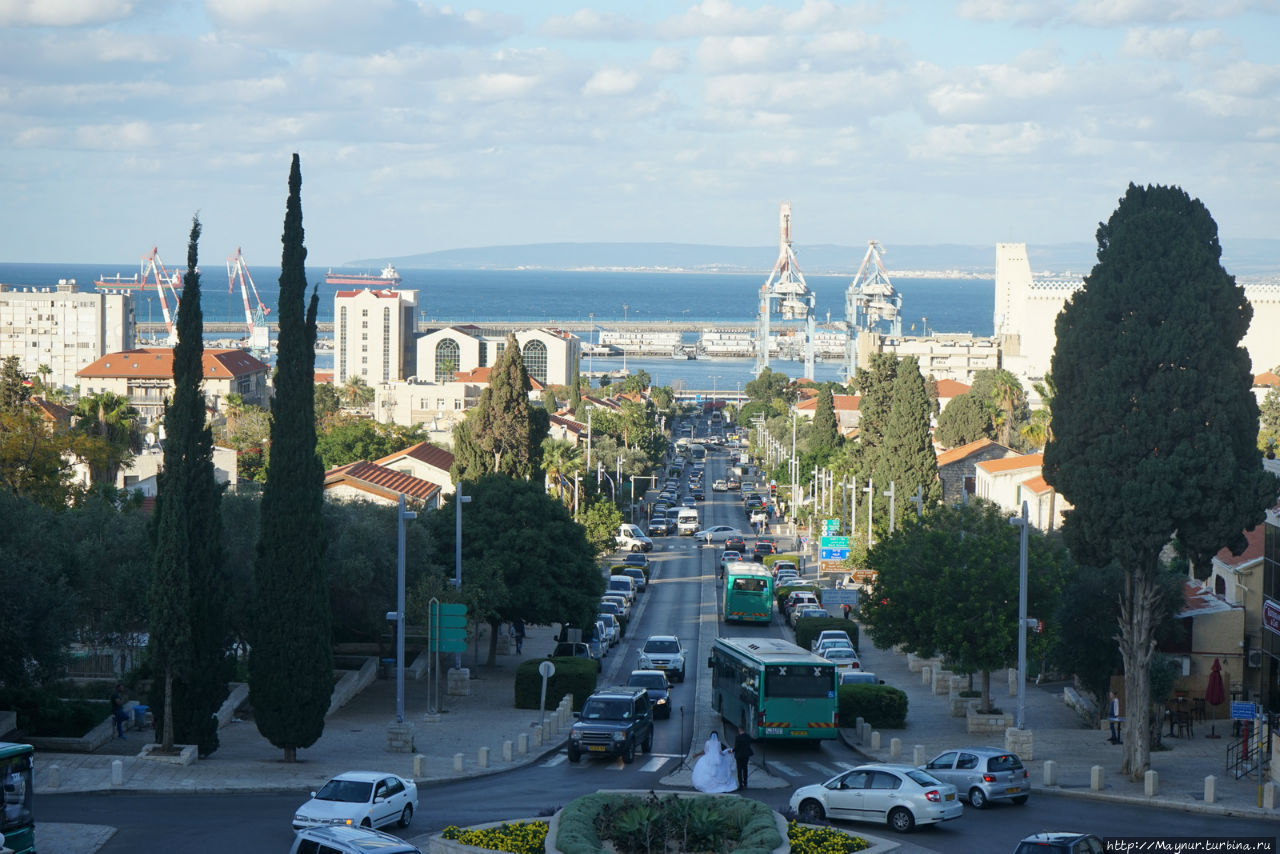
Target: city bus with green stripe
[17,769]
[773,689]
[748,593]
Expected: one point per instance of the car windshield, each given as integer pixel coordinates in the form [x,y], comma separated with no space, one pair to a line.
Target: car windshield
[840,654]
[597,709]
[661,646]
[346,791]
[647,680]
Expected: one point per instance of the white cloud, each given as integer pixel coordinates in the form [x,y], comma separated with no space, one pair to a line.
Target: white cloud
[1012,11]
[493,87]
[1169,44]
[590,24]
[62,13]
[721,18]
[733,53]
[980,141]
[611,81]
[667,58]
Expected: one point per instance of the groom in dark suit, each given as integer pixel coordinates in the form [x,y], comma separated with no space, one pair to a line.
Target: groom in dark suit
[742,754]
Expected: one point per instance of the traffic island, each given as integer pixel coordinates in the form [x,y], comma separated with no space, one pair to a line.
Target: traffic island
[181,754]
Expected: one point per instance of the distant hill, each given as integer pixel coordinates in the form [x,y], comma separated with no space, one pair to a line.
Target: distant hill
[1243,257]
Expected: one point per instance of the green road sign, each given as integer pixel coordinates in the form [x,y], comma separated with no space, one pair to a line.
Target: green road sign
[453,608]
[451,621]
[449,634]
[830,526]
[834,542]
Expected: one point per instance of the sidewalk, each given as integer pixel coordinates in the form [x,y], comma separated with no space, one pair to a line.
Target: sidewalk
[1060,736]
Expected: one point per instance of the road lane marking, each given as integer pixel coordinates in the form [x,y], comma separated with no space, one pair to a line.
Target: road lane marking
[655,764]
[821,769]
[784,768]
[555,760]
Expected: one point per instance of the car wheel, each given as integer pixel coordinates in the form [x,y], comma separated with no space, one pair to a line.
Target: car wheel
[635,547]
[977,798]
[366,822]
[901,820]
[647,747]
[629,753]
[1020,800]
[406,816]
[811,811]
[574,754]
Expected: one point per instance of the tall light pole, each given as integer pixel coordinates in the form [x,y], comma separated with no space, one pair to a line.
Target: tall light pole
[889,493]
[1023,522]
[401,515]
[460,499]
[870,490]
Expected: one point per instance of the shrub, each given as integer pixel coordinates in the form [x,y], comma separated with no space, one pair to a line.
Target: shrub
[882,706]
[809,628]
[41,712]
[807,839]
[635,824]
[770,560]
[523,837]
[576,676]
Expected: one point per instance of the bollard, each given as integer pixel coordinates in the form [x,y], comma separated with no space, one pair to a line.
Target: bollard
[1210,789]
[506,750]
[522,743]
[858,722]
[917,755]
[117,772]
[1151,783]
[1050,772]
[537,736]
[1097,778]
[553,724]
[457,762]
[482,759]
[926,675]
[1269,795]
[419,766]
[895,747]
[54,778]
[875,740]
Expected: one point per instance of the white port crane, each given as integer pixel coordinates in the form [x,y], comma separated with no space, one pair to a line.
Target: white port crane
[255,317]
[786,286]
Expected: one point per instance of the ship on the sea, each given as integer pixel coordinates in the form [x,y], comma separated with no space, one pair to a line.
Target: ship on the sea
[387,278]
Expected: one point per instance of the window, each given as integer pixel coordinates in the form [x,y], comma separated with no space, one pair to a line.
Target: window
[484,353]
[535,360]
[447,359]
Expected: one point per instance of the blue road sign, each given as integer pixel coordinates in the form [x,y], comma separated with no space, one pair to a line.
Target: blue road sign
[832,554]
[1243,711]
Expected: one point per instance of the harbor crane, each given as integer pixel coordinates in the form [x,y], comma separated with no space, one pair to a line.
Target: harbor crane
[871,304]
[787,288]
[255,317]
[152,275]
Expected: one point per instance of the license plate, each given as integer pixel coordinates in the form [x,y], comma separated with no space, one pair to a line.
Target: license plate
[800,732]
[951,797]
[1012,790]
[596,747]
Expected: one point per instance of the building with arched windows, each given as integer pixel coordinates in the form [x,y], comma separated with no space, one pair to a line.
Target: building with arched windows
[550,355]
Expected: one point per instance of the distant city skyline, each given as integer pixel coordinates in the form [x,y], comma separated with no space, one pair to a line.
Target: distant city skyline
[425,127]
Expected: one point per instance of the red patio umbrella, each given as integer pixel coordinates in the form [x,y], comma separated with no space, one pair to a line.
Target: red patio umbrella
[1215,695]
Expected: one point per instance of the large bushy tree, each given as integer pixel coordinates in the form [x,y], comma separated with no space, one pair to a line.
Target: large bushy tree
[189,637]
[906,458]
[504,433]
[964,420]
[291,663]
[824,438]
[1154,425]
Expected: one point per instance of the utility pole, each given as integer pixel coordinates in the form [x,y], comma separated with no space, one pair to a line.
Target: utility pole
[889,493]
[870,490]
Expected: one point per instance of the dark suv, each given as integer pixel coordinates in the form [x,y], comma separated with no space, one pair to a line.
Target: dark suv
[613,722]
[1060,843]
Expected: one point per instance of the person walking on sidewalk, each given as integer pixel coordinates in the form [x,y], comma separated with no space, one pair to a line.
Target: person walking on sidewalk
[517,634]
[117,709]
[1113,717]
[742,754]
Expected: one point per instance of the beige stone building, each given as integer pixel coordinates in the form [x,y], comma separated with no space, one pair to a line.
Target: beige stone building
[373,335]
[145,377]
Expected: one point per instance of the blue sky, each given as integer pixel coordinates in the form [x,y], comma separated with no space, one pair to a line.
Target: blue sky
[425,127]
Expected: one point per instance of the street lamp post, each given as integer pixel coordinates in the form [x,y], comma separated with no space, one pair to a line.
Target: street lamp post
[625,307]
[457,553]
[889,493]
[1023,522]
[870,490]
[401,516]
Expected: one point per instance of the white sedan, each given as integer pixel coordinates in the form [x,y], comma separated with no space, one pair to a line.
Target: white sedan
[360,799]
[717,534]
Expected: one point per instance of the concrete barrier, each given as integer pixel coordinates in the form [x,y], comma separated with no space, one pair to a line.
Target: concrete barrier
[351,683]
[457,762]
[917,755]
[1151,783]
[482,758]
[1050,773]
[1097,778]
[1210,789]
[895,747]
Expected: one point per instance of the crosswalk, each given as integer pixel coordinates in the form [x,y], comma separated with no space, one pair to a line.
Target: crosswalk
[659,763]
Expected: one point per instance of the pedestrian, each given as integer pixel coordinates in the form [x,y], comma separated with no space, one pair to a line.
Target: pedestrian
[517,634]
[742,754]
[1113,717]
[845,607]
[117,709]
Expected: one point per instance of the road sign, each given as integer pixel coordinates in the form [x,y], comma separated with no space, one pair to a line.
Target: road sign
[830,526]
[832,554]
[456,608]
[834,543]
[1243,711]
[840,596]
[449,632]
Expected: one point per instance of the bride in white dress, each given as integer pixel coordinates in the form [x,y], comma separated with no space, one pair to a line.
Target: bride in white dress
[714,771]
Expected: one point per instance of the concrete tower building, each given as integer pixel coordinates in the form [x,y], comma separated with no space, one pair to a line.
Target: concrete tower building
[63,328]
[373,335]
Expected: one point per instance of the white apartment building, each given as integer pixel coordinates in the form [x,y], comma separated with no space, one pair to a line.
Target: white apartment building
[63,328]
[373,335]
[550,355]
[436,406]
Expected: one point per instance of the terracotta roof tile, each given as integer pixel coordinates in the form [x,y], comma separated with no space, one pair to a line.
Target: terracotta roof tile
[1252,552]
[955,454]
[951,388]
[1197,599]
[1038,485]
[157,363]
[1266,379]
[423,451]
[1022,461]
[374,478]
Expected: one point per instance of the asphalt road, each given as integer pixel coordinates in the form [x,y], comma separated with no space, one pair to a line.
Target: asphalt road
[191,824]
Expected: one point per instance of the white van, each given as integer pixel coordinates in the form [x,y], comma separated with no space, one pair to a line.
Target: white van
[687,521]
[631,538]
[623,585]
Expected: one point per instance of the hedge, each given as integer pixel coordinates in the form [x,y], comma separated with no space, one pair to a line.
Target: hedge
[576,676]
[756,830]
[770,560]
[42,713]
[782,596]
[808,628]
[621,568]
[882,706]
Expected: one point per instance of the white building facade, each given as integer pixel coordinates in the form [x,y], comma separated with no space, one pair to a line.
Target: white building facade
[373,335]
[550,355]
[64,328]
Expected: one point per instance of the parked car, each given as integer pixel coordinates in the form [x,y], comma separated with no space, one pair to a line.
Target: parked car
[843,657]
[798,614]
[786,576]
[631,538]
[800,598]
[613,722]
[572,649]
[1059,842]
[830,634]
[636,559]
[833,643]
[622,585]
[897,795]
[655,682]
[360,799]
[857,677]
[619,601]
[780,565]
[612,628]
[340,839]
[636,574]
[982,775]
[663,652]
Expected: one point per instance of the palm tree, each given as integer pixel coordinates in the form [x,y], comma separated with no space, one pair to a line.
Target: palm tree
[356,392]
[1039,430]
[109,432]
[1007,395]
[560,457]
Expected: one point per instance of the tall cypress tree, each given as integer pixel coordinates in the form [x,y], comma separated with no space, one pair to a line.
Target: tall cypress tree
[291,665]
[503,434]
[906,457]
[189,632]
[825,435]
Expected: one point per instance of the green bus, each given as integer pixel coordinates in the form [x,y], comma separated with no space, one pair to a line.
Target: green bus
[748,593]
[773,689]
[17,770]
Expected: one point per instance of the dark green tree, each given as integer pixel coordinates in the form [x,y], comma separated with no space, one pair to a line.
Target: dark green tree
[1154,425]
[291,663]
[1005,403]
[875,385]
[502,434]
[38,616]
[906,457]
[14,391]
[964,420]
[575,389]
[189,636]
[824,437]
[950,586]
[348,439]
